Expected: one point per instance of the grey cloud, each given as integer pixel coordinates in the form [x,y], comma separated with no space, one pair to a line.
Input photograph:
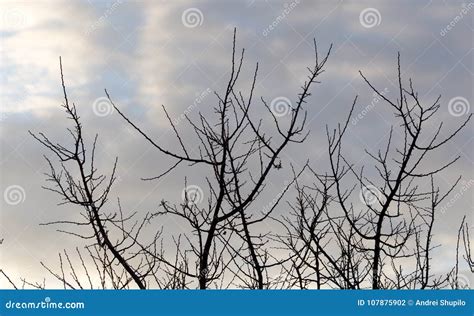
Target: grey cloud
[144,55]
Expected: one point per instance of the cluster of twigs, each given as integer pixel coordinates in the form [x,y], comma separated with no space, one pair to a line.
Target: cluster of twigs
[328,239]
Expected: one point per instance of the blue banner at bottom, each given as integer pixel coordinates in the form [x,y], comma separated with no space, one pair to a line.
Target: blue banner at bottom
[236,302]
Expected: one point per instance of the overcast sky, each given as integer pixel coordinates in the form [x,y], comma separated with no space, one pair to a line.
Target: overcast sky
[151,53]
